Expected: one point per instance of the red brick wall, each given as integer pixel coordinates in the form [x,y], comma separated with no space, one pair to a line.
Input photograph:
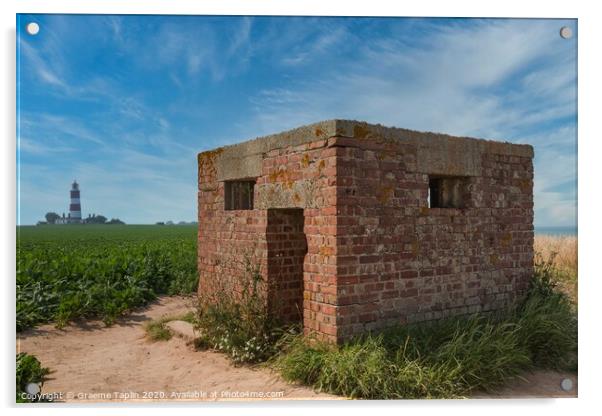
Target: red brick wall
[228,241]
[400,261]
[295,177]
[376,254]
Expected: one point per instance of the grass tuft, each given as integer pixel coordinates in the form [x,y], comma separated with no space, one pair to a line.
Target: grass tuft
[234,319]
[157,329]
[447,358]
[442,359]
[557,256]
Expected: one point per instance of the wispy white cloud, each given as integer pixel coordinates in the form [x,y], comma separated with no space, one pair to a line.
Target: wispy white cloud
[115,24]
[189,49]
[37,148]
[495,79]
[315,50]
[555,175]
[443,85]
[504,79]
[47,64]
[241,38]
[40,66]
[64,129]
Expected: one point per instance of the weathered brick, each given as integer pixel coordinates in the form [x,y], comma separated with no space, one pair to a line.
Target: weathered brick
[342,233]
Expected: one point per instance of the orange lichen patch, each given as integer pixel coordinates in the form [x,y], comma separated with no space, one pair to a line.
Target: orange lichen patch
[282,175]
[206,161]
[384,194]
[322,164]
[296,198]
[494,259]
[319,132]
[210,155]
[361,132]
[415,247]
[506,239]
[305,160]
[424,210]
[326,251]
[525,185]
[279,175]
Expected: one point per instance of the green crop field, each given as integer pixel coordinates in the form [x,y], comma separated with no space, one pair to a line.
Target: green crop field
[99,271]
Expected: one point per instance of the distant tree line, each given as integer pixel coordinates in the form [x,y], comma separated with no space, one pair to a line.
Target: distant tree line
[173,223]
[53,217]
[101,219]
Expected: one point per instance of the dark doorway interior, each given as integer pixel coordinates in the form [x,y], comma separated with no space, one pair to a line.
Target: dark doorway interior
[287,246]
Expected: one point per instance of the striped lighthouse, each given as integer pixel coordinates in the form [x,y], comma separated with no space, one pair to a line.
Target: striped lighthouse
[75,208]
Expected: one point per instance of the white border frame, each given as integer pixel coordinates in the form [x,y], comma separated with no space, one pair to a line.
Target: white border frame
[589,198]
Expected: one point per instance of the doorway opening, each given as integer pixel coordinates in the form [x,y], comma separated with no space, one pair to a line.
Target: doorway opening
[287,247]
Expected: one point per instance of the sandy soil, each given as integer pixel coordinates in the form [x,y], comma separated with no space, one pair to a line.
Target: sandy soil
[94,363]
[91,363]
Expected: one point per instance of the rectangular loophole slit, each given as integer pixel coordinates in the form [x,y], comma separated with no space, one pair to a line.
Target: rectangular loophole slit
[448,192]
[238,195]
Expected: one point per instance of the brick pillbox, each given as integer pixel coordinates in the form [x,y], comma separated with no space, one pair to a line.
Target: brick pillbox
[358,227]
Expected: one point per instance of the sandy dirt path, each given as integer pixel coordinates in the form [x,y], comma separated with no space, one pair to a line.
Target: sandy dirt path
[91,362]
[94,363]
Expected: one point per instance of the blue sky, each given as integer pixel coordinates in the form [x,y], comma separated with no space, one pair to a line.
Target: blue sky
[124,103]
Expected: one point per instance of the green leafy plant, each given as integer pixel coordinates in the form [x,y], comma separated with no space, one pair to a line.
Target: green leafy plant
[29,370]
[70,272]
[234,318]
